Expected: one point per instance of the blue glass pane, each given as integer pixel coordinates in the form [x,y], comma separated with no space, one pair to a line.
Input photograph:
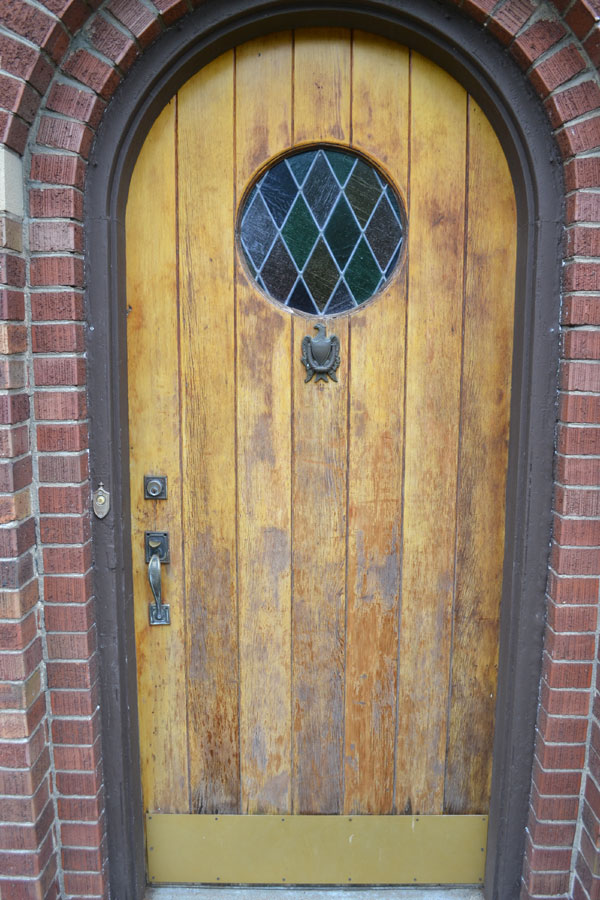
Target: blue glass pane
[322,231]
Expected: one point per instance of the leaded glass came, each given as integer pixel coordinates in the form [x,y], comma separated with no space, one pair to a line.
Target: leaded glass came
[321,231]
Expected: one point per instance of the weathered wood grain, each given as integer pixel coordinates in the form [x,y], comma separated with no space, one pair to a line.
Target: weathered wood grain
[379,126]
[206,193]
[322,85]
[263,125]
[485,409]
[435,276]
[153,414]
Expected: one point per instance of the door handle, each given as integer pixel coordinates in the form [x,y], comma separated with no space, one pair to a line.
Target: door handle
[157,550]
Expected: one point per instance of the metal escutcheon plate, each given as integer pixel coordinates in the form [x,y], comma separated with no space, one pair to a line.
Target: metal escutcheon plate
[165,618]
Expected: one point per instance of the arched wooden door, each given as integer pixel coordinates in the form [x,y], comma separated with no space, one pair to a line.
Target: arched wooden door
[320,708]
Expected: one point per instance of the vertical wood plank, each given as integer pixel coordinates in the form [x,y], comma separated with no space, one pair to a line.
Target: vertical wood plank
[380,127]
[322,85]
[263,128]
[489,310]
[320,411]
[435,299]
[206,191]
[153,368]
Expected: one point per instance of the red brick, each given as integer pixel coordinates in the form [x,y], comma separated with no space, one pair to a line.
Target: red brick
[581,276]
[64,499]
[15,573]
[82,834]
[42,888]
[560,756]
[583,207]
[16,540]
[80,883]
[15,475]
[14,441]
[24,754]
[62,438]
[82,105]
[137,18]
[552,834]
[479,9]
[71,646]
[18,725]
[574,675]
[60,370]
[93,72]
[78,759]
[68,338]
[537,39]
[592,45]
[71,589]
[581,18]
[542,859]
[18,97]
[577,501]
[27,837]
[573,470]
[56,203]
[565,703]
[577,561]
[580,376]
[56,270]
[76,731]
[56,236]
[61,530]
[25,865]
[545,884]
[30,22]
[556,783]
[579,137]
[12,304]
[53,405]
[582,173]
[12,375]
[82,784]
[63,469]
[573,102]
[19,665]
[51,306]
[12,270]
[14,408]
[13,132]
[25,62]
[509,19]
[72,675]
[74,703]
[63,560]
[171,10]
[56,169]
[18,635]
[113,43]
[568,618]
[14,604]
[64,134]
[577,532]
[13,338]
[557,809]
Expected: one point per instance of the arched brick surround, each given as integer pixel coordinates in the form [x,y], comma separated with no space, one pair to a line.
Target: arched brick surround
[60,63]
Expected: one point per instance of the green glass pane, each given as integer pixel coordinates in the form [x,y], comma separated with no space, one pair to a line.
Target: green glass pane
[300,163]
[362,275]
[341,163]
[342,232]
[363,191]
[300,232]
[321,274]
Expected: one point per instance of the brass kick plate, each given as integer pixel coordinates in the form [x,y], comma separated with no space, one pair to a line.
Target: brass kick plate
[316,849]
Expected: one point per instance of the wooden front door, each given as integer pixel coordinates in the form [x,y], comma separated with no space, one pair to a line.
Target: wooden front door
[325,689]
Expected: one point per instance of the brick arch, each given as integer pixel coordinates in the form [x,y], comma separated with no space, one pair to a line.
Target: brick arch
[62,61]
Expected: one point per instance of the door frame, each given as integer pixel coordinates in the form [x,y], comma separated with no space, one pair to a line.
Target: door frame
[478,62]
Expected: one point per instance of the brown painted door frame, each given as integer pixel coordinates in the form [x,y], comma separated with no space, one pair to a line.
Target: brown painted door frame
[523,129]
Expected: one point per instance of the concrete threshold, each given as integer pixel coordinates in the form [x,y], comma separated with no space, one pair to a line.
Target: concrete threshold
[317,893]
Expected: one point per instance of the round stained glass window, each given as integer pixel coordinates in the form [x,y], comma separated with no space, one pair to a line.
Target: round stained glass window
[321,231]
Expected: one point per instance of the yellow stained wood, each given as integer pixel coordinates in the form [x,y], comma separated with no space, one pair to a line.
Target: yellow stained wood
[206,194]
[435,274]
[490,260]
[322,85]
[319,449]
[154,433]
[263,126]
[377,336]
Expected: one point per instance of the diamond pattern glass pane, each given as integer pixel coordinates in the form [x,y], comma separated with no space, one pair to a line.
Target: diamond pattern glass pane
[321,231]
